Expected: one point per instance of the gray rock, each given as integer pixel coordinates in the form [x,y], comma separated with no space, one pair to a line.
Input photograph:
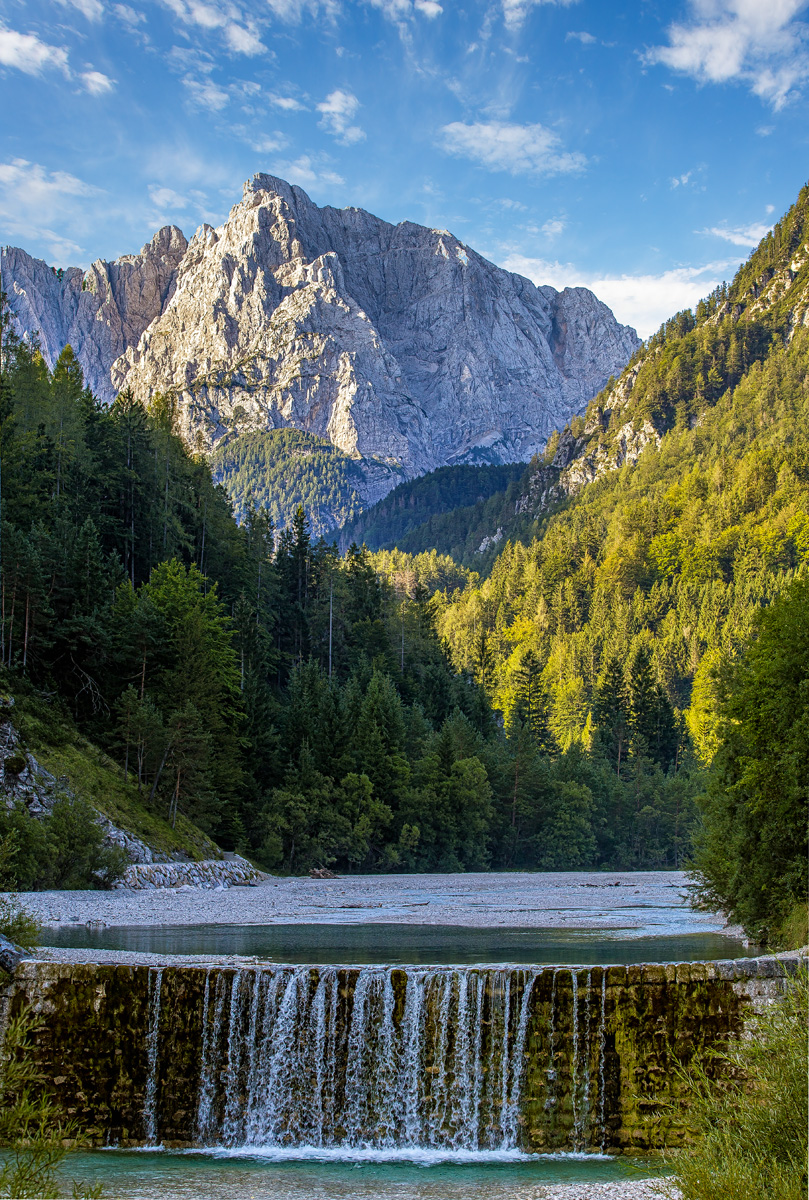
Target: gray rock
[398,344]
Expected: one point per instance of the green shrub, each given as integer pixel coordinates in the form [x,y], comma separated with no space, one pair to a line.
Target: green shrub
[752,1127]
[30,1126]
[17,924]
[64,850]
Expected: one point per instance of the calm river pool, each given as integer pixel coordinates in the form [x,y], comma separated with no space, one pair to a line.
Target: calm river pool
[438,945]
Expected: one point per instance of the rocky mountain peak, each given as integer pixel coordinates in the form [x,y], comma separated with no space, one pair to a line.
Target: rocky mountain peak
[397,343]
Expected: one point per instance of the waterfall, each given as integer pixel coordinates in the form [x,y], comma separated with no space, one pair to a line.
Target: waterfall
[376,1057]
[602,1054]
[390,1059]
[152,1045]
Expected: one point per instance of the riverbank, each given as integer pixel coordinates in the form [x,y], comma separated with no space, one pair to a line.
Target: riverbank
[616,902]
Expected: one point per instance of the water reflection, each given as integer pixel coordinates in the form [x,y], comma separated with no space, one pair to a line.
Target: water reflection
[395,944]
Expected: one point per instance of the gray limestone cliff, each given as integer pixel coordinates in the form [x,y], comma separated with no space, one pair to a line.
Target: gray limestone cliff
[397,343]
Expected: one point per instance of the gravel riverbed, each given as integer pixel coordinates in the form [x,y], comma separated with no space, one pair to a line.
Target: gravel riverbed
[652,901]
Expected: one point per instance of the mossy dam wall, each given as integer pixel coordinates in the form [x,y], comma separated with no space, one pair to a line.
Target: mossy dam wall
[455,1058]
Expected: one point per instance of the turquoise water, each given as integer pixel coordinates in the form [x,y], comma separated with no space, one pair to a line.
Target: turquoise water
[370,944]
[150,1175]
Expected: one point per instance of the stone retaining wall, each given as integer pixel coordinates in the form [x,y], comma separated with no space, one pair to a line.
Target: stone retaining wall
[644,1022]
[212,873]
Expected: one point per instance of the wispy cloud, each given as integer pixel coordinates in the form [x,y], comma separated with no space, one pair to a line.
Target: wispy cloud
[93,10]
[400,10]
[241,34]
[553,228]
[287,103]
[740,235]
[337,112]
[129,15]
[204,93]
[755,42]
[166,199]
[28,53]
[520,149]
[308,172]
[643,301]
[96,82]
[582,36]
[515,11]
[34,200]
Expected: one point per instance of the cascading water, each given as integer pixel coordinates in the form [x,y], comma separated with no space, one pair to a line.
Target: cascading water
[152,1046]
[391,1059]
[428,1058]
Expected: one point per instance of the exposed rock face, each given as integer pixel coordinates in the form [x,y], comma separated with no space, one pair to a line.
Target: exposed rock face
[98,312]
[397,343]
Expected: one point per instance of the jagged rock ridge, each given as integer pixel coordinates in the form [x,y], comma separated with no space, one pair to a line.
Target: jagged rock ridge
[399,344]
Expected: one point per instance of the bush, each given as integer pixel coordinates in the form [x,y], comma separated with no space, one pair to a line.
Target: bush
[31,1129]
[17,924]
[64,850]
[752,1127]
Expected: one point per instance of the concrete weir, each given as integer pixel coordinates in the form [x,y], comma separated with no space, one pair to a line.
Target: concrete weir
[399,1058]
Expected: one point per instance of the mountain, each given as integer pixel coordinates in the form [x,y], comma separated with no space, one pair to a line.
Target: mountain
[398,344]
[663,520]
[685,368]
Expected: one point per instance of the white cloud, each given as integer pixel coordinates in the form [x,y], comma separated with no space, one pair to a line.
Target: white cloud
[338,109]
[428,8]
[553,228]
[307,173]
[33,200]
[166,198]
[292,11]
[96,83]
[643,301]
[582,36]
[268,144]
[287,103]
[681,180]
[756,42]
[244,41]
[93,10]
[515,11]
[206,94]
[240,33]
[129,16]
[741,235]
[27,53]
[520,149]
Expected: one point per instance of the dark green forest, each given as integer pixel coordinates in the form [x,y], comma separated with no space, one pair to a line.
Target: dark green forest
[283,469]
[449,510]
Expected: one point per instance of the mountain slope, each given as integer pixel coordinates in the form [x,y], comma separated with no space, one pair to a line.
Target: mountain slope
[686,366]
[276,472]
[655,563]
[398,344]
[409,513]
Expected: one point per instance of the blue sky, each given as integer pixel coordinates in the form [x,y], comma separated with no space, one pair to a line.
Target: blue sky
[639,148]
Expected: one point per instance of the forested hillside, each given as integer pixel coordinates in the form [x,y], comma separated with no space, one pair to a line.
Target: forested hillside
[440,511]
[296,704]
[669,555]
[278,471]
